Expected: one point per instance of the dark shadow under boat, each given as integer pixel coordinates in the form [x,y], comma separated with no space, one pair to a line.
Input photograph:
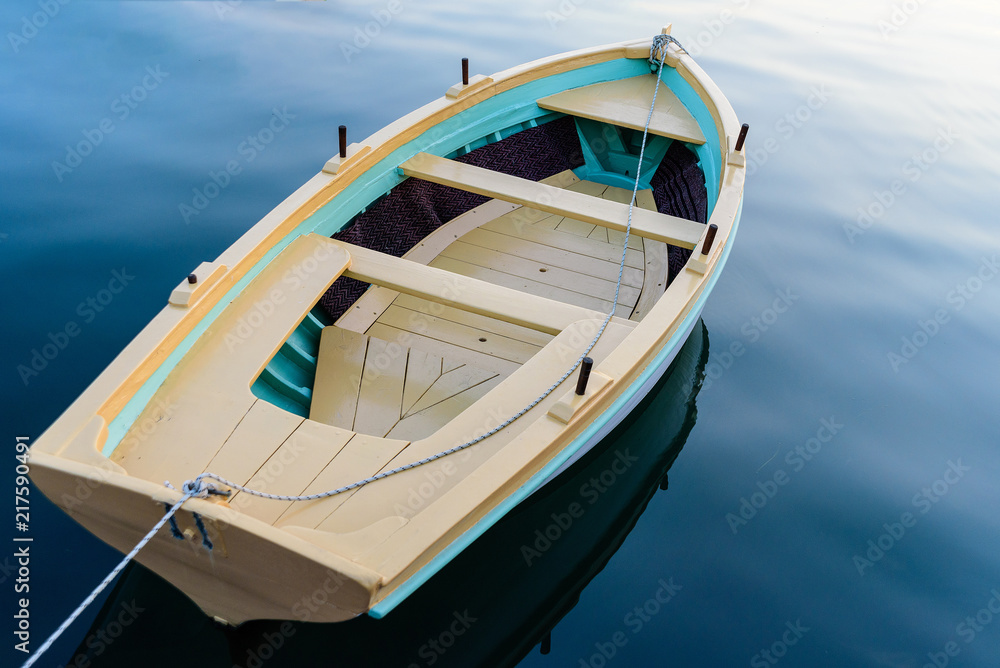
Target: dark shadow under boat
[490,606]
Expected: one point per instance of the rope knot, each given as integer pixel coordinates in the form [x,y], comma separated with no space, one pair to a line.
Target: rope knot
[658,53]
[195,488]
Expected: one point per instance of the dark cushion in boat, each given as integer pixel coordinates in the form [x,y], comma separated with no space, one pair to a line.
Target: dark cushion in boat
[415,208]
[679,190]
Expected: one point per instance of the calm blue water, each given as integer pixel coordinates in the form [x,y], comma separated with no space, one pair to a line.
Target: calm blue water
[852,355]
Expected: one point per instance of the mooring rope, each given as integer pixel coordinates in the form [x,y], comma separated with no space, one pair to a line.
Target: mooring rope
[111,576]
[199,488]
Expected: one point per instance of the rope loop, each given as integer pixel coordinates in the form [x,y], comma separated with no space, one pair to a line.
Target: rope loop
[199,489]
[194,488]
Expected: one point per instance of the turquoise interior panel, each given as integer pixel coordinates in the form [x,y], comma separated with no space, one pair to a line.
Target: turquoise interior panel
[288,382]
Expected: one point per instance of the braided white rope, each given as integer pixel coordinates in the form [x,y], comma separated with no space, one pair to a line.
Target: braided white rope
[658,42]
[198,488]
[111,576]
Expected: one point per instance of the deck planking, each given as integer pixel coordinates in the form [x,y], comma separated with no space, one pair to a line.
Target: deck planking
[435,360]
[418,364]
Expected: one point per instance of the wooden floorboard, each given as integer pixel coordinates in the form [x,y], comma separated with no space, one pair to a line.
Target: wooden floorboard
[571,242]
[552,256]
[425,422]
[581,279]
[451,354]
[459,335]
[339,364]
[381,397]
[422,370]
[419,363]
[449,385]
[482,322]
[523,284]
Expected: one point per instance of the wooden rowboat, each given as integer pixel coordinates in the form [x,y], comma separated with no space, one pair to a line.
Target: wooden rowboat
[432,282]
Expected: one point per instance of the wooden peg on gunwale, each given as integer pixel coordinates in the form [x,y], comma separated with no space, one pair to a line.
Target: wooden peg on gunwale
[709,238]
[581,384]
[743,136]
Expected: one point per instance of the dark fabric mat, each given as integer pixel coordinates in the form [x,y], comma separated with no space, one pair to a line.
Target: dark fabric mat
[415,208]
[679,190]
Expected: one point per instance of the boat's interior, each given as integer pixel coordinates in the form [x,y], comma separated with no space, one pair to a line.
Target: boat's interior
[410,323]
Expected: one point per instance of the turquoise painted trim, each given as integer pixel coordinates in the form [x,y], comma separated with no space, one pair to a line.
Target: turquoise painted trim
[277,396]
[400,594]
[515,105]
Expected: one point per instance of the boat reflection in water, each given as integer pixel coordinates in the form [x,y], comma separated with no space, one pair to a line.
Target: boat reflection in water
[491,605]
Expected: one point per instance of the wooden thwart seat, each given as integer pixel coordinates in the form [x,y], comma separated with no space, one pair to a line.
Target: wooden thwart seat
[469,294]
[626,103]
[578,206]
